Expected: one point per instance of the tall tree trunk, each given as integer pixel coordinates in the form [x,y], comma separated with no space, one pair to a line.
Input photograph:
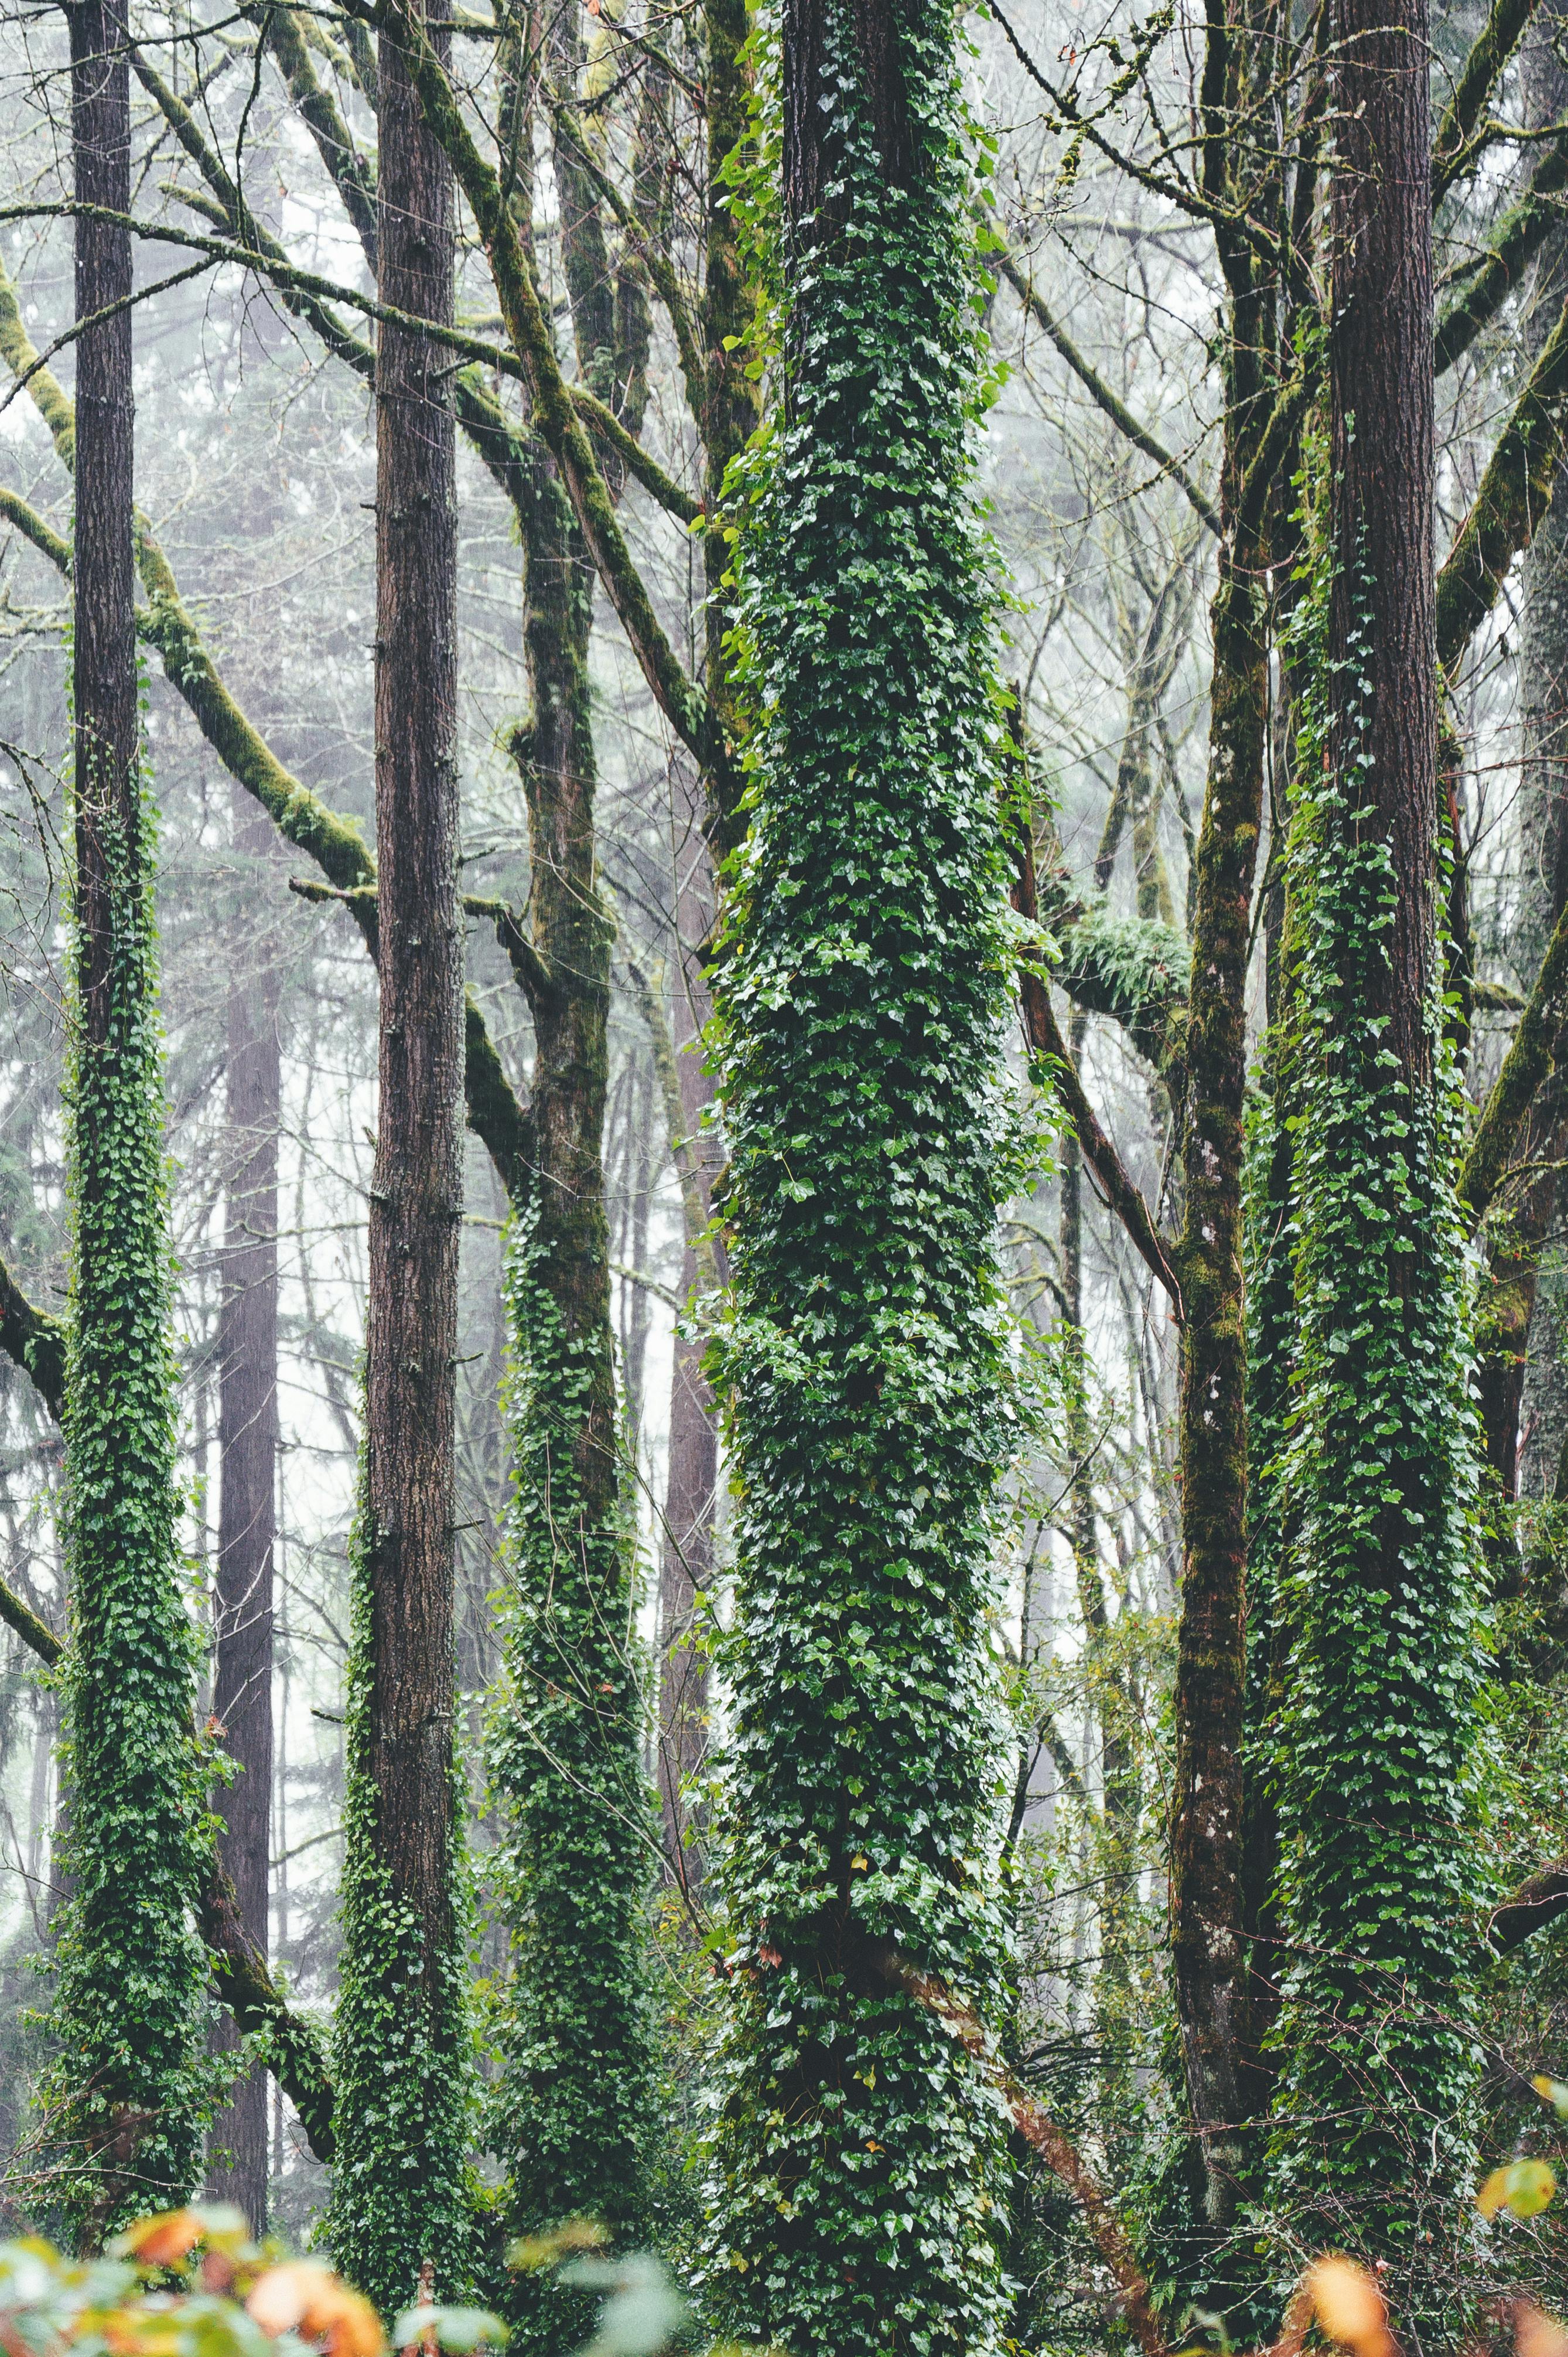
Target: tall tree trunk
[247,1511]
[1206,1820]
[731,408]
[691,1503]
[128,2079]
[1383,1664]
[400,2200]
[857,2177]
[1208,1905]
[573,2110]
[1539,1352]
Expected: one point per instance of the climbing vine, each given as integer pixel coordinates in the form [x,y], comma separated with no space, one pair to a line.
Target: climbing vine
[1377,1586]
[126,2097]
[575,2109]
[403,2070]
[857,2185]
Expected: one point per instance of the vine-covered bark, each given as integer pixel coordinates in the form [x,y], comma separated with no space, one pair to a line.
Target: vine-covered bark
[856,2170]
[127,2092]
[1383,1661]
[573,2112]
[399,2198]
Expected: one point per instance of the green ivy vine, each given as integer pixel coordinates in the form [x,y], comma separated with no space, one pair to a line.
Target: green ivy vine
[857,2178]
[126,2096]
[1368,1526]
[574,2110]
[402,2190]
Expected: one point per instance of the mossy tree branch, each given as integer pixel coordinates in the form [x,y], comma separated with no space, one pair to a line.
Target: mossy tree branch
[1045,1038]
[1532,1054]
[36,1341]
[1514,494]
[495,1113]
[681,701]
[1515,243]
[1498,38]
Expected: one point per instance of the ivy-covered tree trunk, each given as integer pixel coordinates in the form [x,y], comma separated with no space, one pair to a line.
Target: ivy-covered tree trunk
[127,2095]
[247,1511]
[573,2109]
[856,2170]
[399,2198]
[1382,1671]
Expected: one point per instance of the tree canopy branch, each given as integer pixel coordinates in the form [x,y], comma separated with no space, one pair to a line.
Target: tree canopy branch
[1103,396]
[1515,493]
[1498,38]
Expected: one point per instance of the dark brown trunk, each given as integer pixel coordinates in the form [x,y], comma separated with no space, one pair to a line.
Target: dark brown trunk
[248,1444]
[103,653]
[103,665]
[1209,1950]
[416,1195]
[731,412]
[1380,386]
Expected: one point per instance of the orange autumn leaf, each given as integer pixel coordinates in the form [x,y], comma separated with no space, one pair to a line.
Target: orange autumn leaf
[164,2241]
[1349,2306]
[304,2296]
[1537,2335]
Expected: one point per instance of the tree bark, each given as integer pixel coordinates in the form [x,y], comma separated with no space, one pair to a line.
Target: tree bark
[1207,1946]
[1377,1723]
[1382,459]
[399,2199]
[686,1558]
[572,2108]
[417,1193]
[1543,829]
[248,1446]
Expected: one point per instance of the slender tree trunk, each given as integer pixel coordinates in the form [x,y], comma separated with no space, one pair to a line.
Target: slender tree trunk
[128,2080]
[686,1559]
[248,1447]
[1209,1950]
[1382,461]
[1205,1828]
[399,2198]
[573,2110]
[1538,1285]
